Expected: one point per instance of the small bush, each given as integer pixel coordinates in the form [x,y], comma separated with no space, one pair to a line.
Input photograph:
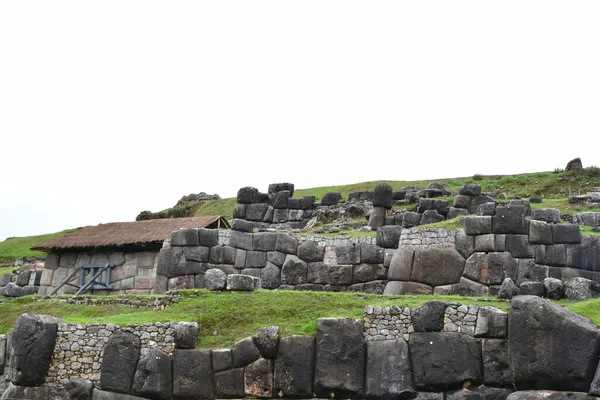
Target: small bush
[558,170]
[477,177]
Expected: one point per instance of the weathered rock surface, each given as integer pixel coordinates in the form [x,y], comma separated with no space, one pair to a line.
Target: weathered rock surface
[32,344]
[153,376]
[542,351]
[388,370]
[339,368]
[294,367]
[192,374]
[444,360]
[121,355]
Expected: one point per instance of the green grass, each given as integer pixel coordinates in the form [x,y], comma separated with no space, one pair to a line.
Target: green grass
[6,270]
[15,248]
[232,315]
[226,317]
[453,224]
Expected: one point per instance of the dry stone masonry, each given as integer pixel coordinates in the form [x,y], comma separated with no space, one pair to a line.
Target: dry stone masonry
[205,258]
[536,350]
[501,252]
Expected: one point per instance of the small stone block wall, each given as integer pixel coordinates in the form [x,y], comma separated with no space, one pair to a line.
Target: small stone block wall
[79,348]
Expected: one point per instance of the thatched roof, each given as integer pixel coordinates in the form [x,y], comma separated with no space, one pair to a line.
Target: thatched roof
[138,233]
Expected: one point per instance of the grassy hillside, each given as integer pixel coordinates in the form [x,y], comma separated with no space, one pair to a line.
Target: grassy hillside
[553,186]
[16,248]
[230,316]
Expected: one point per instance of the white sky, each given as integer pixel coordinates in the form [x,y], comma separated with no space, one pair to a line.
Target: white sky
[108,108]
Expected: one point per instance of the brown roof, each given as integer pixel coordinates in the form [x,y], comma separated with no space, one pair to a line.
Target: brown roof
[116,234]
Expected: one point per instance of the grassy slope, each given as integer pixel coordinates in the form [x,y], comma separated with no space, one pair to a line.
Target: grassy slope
[232,315]
[15,248]
[227,317]
[554,187]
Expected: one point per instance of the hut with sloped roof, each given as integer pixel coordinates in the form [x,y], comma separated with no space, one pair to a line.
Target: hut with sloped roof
[112,258]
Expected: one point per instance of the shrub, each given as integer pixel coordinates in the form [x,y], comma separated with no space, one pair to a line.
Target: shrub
[477,177]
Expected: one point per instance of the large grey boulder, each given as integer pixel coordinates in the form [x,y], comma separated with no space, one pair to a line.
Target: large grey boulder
[540,232]
[31,345]
[215,279]
[13,290]
[388,370]
[294,367]
[264,241]
[294,271]
[281,199]
[430,217]
[491,323]
[2,353]
[551,215]
[241,282]
[482,268]
[395,288]
[554,289]
[566,233]
[464,243]
[229,384]
[310,251]
[349,254]
[185,237]
[244,352]
[510,219]
[258,379]
[286,244]
[551,347]
[153,376]
[79,388]
[508,290]
[98,394]
[444,360]
[267,341]
[270,276]
[382,196]
[185,335]
[340,362]
[121,355]
[6,279]
[23,278]
[377,217]
[429,317]
[475,225]
[531,288]
[437,267]
[221,359]
[247,195]
[389,236]
[371,254]
[579,288]
[411,219]
[241,225]
[14,392]
[331,199]
[192,374]
[496,365]
[548,395]
[470,189]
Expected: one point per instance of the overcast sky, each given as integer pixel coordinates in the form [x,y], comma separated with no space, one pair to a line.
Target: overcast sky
[108,108]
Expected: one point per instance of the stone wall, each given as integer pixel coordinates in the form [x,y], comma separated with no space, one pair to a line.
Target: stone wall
[390,323]
[79,348]
[537,345]
[500,243]
[20,284]
[134,271]
[203,258]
